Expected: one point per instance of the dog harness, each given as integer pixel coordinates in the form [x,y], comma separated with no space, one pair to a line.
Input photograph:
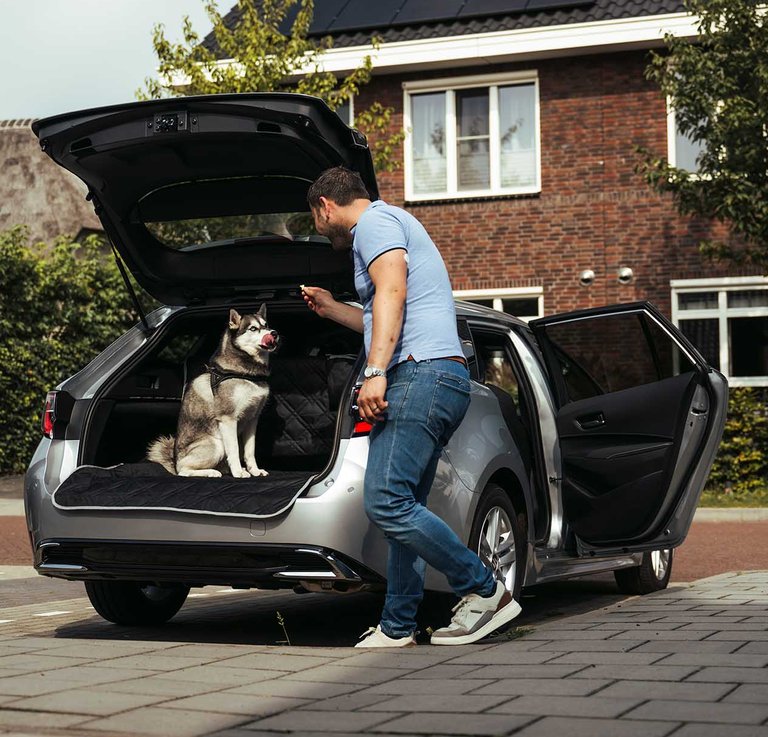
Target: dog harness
[218,375]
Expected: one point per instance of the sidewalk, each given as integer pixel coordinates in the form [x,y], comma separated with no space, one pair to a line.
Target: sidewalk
[691,661]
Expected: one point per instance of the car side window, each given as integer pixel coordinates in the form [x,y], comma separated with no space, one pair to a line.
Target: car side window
[608,353]
[494,364]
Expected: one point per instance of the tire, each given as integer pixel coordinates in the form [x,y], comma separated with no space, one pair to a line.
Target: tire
[134,603]
[506,553]
[651,575]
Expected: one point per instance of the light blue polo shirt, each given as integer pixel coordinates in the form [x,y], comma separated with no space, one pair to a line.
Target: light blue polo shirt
[429,319]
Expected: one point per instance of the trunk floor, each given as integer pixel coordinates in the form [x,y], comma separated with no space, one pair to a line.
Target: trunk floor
[145,486]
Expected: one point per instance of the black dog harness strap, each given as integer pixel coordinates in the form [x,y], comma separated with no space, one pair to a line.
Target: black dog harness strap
[218,375]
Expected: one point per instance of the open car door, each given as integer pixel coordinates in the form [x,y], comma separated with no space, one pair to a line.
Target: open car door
[640,417]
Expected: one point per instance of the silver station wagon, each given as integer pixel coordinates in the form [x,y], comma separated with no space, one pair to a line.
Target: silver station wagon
[585,449]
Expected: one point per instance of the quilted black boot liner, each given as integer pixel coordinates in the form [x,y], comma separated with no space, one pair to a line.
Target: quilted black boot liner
[148,486]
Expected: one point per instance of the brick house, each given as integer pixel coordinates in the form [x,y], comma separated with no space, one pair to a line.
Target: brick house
[521,119]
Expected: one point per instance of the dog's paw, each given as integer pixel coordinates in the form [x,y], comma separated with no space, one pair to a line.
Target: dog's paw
[243,474]
[255,471]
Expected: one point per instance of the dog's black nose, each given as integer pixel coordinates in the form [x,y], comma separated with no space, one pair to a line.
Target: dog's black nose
[273,333]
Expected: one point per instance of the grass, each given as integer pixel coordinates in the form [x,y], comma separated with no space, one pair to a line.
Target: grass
[718,498]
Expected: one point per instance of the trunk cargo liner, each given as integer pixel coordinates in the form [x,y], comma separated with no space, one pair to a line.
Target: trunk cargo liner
[148,486]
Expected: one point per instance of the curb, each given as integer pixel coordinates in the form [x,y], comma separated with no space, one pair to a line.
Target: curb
[11,507]
[731,514]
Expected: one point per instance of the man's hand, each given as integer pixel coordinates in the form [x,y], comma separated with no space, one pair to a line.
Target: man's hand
[318,300]
[370,401]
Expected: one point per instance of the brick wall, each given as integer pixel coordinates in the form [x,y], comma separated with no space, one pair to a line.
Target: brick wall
[593,212]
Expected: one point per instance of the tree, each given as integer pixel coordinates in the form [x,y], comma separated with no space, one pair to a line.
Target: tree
[263,58]
[717,86]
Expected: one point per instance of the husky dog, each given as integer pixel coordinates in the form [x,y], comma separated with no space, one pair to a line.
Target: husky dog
[223,403]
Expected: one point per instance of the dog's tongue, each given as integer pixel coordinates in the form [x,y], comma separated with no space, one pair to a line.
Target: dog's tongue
[268,341]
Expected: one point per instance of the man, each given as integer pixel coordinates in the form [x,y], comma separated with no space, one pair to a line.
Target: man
[415,393]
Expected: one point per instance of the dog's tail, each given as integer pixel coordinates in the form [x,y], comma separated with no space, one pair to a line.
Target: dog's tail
[162,452]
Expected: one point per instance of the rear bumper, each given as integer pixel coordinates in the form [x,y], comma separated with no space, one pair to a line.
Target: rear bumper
[244,565]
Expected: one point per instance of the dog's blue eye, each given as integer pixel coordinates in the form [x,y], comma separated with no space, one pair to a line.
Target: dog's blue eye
[253,328]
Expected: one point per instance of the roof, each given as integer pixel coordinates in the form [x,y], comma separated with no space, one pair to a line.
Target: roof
[347,33]
[36,192]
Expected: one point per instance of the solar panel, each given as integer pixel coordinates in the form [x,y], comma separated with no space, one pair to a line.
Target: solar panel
[491,7]
[358,14]
[428,11]
[534,5]
[325,12]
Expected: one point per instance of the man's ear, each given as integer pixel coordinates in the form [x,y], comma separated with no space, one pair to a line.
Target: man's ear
[234,320]
[262,313]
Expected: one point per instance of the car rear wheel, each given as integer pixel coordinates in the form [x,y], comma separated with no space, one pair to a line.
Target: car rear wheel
[135,603]
[497,537]
[651,575]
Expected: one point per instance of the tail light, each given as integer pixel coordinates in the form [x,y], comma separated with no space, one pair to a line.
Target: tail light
[58,408]
[362,427]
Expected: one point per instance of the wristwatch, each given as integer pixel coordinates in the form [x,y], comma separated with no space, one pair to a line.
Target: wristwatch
[371,371]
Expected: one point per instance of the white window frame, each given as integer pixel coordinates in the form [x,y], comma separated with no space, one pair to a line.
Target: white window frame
[351,121]
[672,138]
[498,295]
[449,85]
[722,286]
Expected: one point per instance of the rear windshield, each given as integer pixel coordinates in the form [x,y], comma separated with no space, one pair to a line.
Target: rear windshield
[197,233]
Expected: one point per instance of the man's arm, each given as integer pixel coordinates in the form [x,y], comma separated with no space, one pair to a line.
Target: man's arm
[389,276]
[322,302]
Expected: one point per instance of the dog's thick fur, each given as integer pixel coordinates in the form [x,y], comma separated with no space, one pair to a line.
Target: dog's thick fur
[212,420]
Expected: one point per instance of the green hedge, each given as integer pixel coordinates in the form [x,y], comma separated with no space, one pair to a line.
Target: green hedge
[741,467]
[60,305]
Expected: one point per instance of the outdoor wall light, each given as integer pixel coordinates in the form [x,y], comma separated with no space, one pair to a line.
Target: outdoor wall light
[625,275]
[587,278]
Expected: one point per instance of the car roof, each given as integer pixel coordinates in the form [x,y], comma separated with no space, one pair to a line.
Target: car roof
[470,309]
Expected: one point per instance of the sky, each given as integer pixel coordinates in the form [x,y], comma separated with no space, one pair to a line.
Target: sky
[63,55]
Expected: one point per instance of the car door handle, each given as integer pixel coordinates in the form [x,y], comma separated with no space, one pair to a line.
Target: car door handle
[589,422]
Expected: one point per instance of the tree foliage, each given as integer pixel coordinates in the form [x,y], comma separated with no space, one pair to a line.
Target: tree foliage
[717,86]
[59,306]
[264,58]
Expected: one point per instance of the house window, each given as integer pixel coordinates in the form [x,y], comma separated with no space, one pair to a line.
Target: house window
[472,137]
[727,320]
[527,303]
[683,152]
[346,111]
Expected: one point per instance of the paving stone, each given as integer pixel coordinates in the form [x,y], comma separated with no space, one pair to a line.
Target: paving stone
[638,672]
[677,635]
[408,660]
[33,685]
[575,706]
[627,659]
[92,674]
[445,724]
[691,711]
[37,719]
[160,686]
[665,690]
[342,721]
[447,672]
[526,671]
[81,701]
[223,676]
[731,675]
[428,687]
[687,646]
[38,661]
[732,659]
[753,693]
[543,687]
[505,655]
[758,648]
[116,649]
[273,661]
[595,646]
[344,674]
[717,730]
[454,703]
[655,626]
[154,720]
[724,634]
[583,727]
[349,702]
[234,703]
[553,635]
[744,627]
[296,689]
[154,661]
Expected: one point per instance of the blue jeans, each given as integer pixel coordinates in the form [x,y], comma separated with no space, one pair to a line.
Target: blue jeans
[426,402]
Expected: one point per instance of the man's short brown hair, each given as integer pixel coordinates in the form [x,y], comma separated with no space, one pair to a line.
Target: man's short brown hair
[339,184]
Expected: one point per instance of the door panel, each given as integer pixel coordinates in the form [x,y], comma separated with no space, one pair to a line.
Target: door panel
[639,419]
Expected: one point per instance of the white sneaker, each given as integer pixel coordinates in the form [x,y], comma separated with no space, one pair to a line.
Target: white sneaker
[476,617]
[374,637]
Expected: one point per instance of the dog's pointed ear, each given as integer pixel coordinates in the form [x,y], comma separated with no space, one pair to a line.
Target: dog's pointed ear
[262,313]
[234,320]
